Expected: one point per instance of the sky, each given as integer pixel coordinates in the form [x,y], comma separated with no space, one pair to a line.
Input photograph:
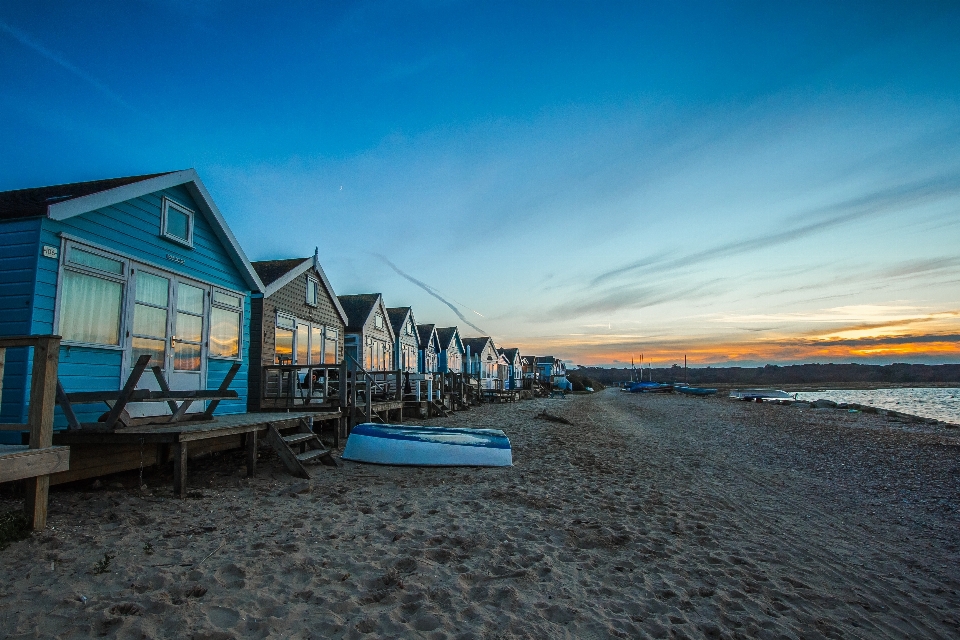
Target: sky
[738,182]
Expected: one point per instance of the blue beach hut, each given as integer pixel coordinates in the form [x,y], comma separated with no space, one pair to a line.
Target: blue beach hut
[120,268]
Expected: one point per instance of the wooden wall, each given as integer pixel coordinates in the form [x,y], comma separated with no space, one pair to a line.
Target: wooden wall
[19,240]
[290,299]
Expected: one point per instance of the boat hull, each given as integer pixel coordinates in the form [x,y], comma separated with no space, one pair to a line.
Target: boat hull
[695,391]
[419,446]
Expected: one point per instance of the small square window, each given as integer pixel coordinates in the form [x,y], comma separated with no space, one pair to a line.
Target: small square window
[177,222]
[313,292]
[378,321]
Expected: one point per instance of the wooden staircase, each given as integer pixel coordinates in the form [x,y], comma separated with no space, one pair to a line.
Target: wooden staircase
[300,448]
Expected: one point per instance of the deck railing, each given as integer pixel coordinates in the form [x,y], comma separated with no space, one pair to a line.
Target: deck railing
[297,385]
[39,458]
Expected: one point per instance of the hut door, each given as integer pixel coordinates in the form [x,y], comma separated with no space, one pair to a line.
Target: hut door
[187,345]
[168,323]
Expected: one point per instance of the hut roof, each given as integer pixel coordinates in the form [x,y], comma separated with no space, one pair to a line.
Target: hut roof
[272,270]
[33,202]
[446,335]
[511,354]
[425,331]
[477,345]
[398,315]
[358,308]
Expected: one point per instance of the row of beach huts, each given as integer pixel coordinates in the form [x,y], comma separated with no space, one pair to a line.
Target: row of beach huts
[97,276]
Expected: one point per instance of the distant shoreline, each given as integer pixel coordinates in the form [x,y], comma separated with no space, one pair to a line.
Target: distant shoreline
[800,377]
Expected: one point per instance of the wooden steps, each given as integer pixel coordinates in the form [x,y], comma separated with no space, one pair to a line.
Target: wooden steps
[300,448]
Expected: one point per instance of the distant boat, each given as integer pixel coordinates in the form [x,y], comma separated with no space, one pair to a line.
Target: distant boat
[428,446]
[694,391]
[759,395]
[648,387]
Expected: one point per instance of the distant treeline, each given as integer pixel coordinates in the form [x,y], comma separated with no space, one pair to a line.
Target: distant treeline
[791,374]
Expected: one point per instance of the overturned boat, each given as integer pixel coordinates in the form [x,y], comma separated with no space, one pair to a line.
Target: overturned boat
[762,395]
[420,446]
[694,391]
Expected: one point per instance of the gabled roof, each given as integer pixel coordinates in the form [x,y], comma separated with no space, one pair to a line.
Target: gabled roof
[399,315]
[61,202]
[446,335]
[277,274]
[35,202]
[477,345]
[425,332]
[272,270]
[511,354]
[359,307]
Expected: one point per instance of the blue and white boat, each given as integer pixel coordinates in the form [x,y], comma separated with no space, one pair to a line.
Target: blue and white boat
[420,446]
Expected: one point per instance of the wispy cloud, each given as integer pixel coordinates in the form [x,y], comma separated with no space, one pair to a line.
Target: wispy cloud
[816,221]
[631,297]
[29,42]
[433,292]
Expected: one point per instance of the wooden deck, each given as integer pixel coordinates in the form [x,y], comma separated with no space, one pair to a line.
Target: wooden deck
[97,453]
[20,461]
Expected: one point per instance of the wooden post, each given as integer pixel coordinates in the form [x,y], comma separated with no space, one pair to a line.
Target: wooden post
[3,359]
[43,393]
[251,453]
[180,469]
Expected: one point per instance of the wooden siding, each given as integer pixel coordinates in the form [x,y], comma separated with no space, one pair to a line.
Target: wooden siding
[132,229]
[290,299]
[412,341]
[19,254]
[370,330]
[443,356]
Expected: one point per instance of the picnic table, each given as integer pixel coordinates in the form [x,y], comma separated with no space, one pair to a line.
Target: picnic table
[178,401]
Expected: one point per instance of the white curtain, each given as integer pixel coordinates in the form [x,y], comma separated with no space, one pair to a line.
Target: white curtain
[90,309]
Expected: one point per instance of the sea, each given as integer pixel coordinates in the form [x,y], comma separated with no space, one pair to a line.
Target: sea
[940,403]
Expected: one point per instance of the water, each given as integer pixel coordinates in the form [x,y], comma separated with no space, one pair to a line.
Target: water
[940,404]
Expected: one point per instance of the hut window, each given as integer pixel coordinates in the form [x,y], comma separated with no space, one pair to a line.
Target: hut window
[330,345]
[225,322]
[378,321]
[177,222]
[316,344]
[303,343]
[91,294]
[313,292]
[284,347]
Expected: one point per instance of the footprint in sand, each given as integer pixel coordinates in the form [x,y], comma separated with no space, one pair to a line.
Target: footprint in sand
[223,617]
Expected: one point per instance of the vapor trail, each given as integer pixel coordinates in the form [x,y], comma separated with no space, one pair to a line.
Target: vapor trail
[30,43]
[431,291]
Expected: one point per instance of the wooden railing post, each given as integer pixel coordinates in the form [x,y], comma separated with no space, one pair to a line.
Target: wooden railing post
[43,393]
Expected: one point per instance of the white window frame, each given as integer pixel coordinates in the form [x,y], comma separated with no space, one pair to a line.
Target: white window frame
[122,278]
[219,305]
[310,326]
[316,288]
[166,205]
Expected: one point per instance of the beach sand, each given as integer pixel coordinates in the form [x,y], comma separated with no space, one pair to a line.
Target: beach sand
[650,516]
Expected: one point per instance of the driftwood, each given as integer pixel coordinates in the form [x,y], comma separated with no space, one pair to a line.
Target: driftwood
[543,415]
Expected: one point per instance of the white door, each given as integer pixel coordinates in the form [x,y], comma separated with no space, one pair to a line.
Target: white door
[168,323]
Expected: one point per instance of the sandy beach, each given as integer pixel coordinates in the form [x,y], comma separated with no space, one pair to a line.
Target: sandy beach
[649,516]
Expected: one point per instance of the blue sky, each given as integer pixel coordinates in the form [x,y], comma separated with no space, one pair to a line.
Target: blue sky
[741,182]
